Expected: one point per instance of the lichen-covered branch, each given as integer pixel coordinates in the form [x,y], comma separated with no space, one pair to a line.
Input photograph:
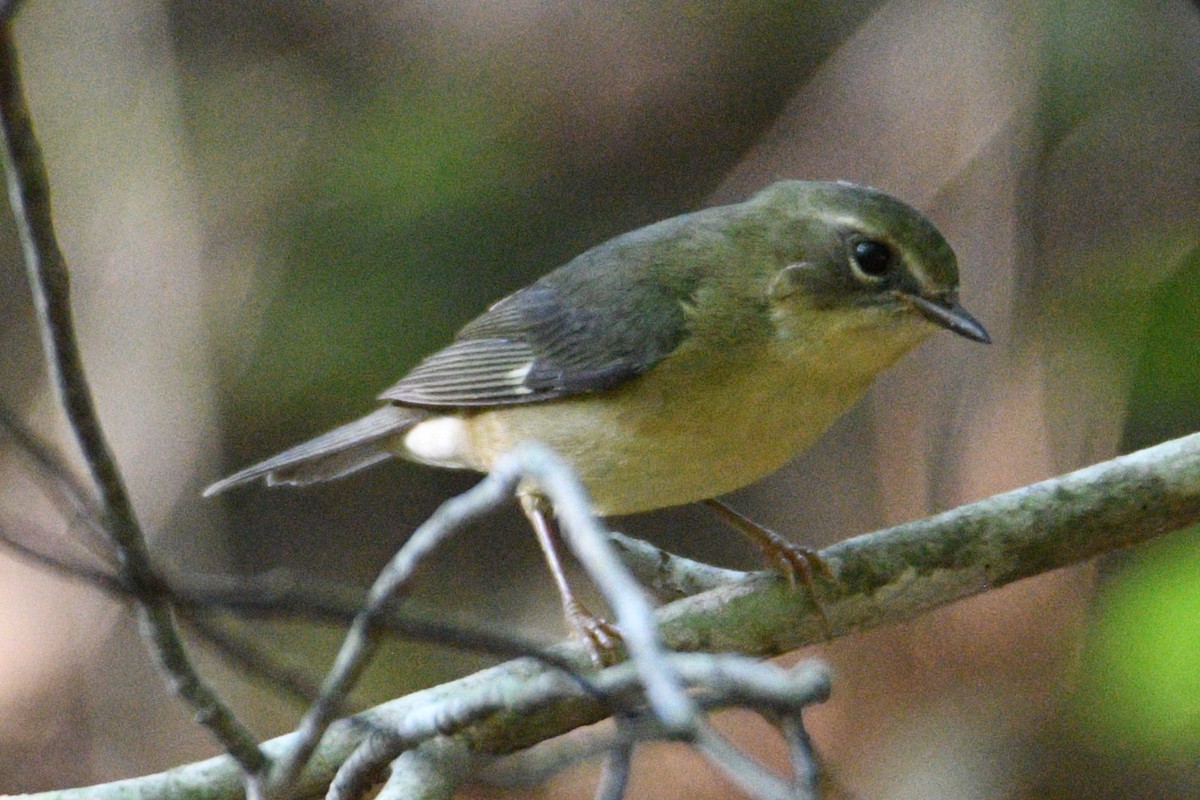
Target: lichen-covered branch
[882,577]
[894,574]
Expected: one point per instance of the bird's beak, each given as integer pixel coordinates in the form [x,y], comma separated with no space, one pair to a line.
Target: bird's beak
[950,315]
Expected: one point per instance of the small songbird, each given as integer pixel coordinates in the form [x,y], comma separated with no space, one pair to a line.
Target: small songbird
[671,364]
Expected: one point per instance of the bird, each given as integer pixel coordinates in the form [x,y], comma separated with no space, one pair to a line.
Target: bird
[672,364]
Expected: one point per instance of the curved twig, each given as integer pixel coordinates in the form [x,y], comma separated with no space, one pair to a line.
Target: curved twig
[29,194]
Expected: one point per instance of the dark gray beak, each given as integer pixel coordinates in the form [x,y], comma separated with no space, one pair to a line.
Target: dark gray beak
[950,315]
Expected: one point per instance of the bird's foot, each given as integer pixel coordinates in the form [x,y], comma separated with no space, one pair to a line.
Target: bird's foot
[798,564]
[792,561]
[601,637]
[795,563]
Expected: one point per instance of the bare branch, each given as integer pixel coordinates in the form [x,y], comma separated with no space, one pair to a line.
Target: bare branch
[668,575]
[719,681]
[614,778]
[897,573]
[806,772]
[431,772]
[244,653]
[60,486]
[723,680]
[746,773]
[589,542]
[586,538]
[14,535]
[277,595]
[29,194]
[883,577]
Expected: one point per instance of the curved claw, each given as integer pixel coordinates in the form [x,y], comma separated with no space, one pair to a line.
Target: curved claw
[601,637]
[792,560]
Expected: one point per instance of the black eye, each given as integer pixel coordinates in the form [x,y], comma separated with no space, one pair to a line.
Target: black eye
[873,258]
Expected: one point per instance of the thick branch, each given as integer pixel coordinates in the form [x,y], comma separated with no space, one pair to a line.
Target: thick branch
[897,573]
[883,577]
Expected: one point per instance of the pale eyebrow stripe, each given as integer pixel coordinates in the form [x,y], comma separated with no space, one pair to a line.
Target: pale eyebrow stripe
[915,269]
[914,266]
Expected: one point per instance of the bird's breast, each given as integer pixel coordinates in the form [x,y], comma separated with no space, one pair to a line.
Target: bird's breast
[686,430]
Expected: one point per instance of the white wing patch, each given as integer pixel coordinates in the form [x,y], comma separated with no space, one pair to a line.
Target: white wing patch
[517,376]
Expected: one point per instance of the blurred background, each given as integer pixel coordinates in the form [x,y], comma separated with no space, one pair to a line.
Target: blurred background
[272,209]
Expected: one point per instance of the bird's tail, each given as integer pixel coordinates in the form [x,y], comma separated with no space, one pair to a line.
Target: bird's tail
[339,452]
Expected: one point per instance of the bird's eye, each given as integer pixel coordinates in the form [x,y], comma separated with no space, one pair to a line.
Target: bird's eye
[873,258]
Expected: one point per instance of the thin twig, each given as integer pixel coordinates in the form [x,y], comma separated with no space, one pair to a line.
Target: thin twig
[614,776]
[60,486]
[61,565]
[743,771]
[724,680]
[718,681]
[277,596]
[362,638]
[363,768]
[244,653]
[883,577]
[668,575]
[29,194]
[806,770]
[590,544]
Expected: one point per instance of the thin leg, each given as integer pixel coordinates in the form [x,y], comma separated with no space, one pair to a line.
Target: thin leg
[789,559]
[601,636]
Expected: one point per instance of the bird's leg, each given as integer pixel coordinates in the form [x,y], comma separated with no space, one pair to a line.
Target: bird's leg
[791,560]
[602,638]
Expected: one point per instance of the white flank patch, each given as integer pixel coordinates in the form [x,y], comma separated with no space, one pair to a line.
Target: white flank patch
[439,442]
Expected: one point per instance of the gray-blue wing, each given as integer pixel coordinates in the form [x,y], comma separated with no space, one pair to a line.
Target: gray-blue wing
[549,341]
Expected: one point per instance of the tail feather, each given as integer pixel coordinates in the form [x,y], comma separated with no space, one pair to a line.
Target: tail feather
[339,452]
